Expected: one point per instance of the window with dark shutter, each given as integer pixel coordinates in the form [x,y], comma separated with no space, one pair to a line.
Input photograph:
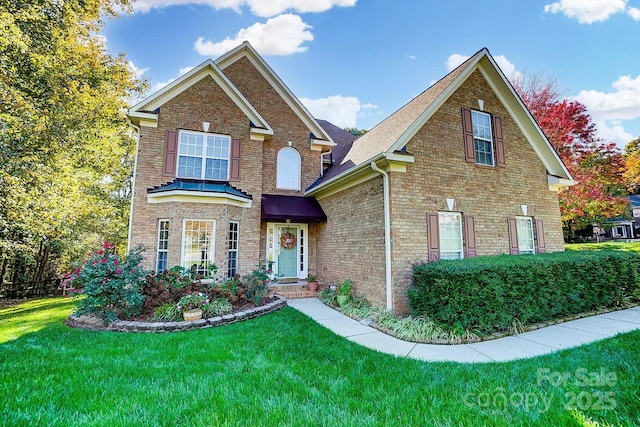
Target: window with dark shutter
[483,141]
[541,246]
[234,174]
[513,236]
[470,249]
[433,237]
[170,153]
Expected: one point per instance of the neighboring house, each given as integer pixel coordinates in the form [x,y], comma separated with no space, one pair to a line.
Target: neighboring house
[634,202]
[461,170]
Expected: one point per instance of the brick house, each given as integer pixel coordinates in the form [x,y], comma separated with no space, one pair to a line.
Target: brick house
[232,169]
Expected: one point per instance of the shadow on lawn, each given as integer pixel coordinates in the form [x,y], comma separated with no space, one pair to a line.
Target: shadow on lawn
[34,315]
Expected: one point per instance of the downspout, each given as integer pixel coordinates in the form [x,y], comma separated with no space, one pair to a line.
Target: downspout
[133,183]
[387,233]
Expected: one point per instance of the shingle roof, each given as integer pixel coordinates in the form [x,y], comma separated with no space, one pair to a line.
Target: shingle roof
[199,185]
[383,136]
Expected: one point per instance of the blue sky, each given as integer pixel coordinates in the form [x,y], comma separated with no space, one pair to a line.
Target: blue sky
[354,62]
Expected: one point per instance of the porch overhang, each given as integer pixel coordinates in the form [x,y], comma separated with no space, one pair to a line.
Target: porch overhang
[294,208]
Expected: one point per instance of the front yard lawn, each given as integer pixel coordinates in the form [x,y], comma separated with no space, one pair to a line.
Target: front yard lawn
[284,369]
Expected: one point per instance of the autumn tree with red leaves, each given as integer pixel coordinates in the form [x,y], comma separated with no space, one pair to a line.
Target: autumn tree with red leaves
[597,167]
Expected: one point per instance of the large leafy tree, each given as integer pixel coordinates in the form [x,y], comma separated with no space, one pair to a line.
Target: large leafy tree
[65,153]
[597,167]
[632,170]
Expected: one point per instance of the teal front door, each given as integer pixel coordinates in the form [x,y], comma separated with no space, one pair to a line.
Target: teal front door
[288,251]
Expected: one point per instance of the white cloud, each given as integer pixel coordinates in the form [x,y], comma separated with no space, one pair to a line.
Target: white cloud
[622,104]
[340,110]
[266,8]
[282,35]
[608,110]
[159,85]
[137,72]
[262,8]
[613,132]
[587,11]
[505,65]
[634,13]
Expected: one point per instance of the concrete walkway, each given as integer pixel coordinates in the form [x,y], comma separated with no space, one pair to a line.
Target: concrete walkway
[529,344]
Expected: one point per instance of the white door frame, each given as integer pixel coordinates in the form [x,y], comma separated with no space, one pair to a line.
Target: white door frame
[302,246]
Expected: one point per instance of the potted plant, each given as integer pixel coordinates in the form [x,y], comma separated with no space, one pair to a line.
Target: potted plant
[192,305]
[344,292]
[312,282]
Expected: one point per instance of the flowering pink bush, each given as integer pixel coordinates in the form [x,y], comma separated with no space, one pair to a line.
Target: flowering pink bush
[112,286]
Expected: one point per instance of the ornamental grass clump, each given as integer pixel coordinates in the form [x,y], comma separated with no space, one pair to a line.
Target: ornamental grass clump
[193,301]
[112,285]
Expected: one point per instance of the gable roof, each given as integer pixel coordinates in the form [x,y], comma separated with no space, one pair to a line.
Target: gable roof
[245,50]
[389,137]
[146,111]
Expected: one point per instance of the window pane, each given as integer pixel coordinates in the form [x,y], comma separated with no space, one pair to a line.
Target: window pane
[288,172]
[232,269]
[197,247]
[525,235]
[450,227]
[483,139]
[198,150]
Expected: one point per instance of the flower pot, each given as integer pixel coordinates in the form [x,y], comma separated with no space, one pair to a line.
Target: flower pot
[191,315]
[343,299]
[313,286]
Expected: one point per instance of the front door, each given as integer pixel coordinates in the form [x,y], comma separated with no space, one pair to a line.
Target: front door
[288,250]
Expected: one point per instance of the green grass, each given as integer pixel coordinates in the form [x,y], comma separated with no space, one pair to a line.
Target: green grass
[284,369]
[611,245]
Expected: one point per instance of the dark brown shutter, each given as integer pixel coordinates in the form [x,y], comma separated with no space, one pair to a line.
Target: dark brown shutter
[513,236]
[467,128]
[433,232]
[170,153]
[234,170]
[541,247]
[498,140]
[470,237]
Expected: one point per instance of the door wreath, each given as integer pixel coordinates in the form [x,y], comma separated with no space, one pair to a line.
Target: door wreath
[288,240]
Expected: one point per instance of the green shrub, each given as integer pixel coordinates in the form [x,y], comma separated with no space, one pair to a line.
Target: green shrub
[217,307]
[167,313]
[257,283]
[498,293]
[112,286]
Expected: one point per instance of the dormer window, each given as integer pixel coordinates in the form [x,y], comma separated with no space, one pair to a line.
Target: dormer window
[288,175]
[203,156]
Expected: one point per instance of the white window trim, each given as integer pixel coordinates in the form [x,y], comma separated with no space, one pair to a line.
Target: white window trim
[461,251]
[533,241]
[237,249]
[490,140]
[273,241]
[211,252]
[286,169]
[204,154]
[160,222]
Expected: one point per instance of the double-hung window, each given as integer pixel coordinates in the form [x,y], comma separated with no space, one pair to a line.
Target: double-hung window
[163,245]
[526,243]
[203,156]
[482,137]
[450,228]
[232,267]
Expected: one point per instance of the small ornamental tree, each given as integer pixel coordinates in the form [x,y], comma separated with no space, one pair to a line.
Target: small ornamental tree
[112,286]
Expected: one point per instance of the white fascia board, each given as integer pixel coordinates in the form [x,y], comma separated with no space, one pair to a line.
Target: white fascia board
[198,197]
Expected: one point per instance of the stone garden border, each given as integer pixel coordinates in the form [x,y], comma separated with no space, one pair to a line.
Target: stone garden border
[95,323]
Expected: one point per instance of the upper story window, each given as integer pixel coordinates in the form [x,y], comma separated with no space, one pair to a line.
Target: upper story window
[288,174]
[483,141]
[482,138]
[203,156]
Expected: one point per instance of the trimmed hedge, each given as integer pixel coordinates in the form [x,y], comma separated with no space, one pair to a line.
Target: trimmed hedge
[494,293]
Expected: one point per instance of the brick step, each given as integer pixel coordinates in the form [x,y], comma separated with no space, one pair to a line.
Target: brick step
[292,291]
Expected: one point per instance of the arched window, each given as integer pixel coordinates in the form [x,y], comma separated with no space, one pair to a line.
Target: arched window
[288,175]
